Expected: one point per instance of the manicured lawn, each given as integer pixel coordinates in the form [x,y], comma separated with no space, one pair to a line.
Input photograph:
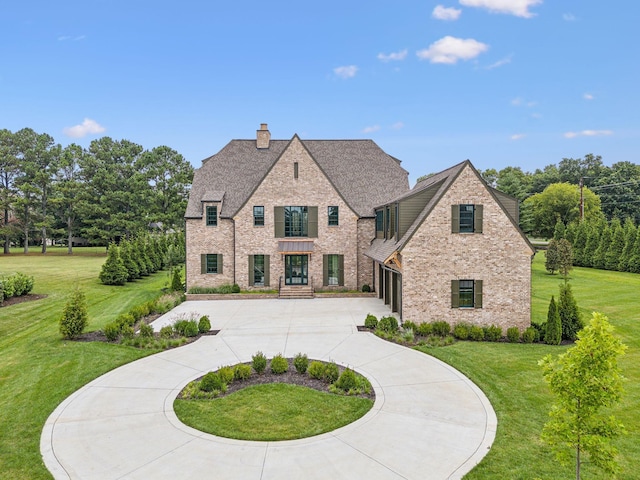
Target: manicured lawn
[511,379]
[270,412]
[38,370]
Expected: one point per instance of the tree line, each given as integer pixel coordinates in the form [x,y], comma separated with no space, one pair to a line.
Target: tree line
[553,193]
[113,189]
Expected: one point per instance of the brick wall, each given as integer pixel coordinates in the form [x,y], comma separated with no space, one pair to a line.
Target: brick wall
[499,257]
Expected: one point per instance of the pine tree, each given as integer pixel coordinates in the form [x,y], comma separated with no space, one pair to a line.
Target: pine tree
[594,231]
[74,316]
[551,262]
[570,232]
[614,252]
[633,265]
[629,239]
[569,313]
[113,270]
[553,328]
[559,230]
[130,264]
[599,260]
[564,251]
[579,244]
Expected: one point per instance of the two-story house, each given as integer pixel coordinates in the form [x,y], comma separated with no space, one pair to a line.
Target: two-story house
[305,215]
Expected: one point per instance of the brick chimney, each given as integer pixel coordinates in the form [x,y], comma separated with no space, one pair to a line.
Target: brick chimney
[263,136]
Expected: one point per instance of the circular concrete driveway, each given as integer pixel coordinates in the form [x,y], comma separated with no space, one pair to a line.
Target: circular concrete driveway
[428,421]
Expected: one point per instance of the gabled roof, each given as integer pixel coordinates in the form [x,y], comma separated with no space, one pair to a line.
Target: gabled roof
[381,250]
[362,173]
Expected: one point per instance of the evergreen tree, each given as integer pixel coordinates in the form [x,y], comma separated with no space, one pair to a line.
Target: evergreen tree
[569,313]
[565,257]
[553,327]
[570,232]
[599,256]
[138,252]
[551,262]
[633,265]
[579,243]
[594,231]
[616,246]
[113,270]
[176,281]
[629,239]
[133,271]
[559,230]
[149,255]
[74,316]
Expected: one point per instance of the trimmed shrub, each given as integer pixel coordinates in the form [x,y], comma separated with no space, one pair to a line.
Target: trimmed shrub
[259,363]
[371,321]
[366,288]
[441,328]
[126,319]
[301,363]
[176,281]
[461,331]
[166,331]
[191,329]
[476,333]
[316,370]
[22,284]
[492,333]
[409,325]
[235,288]
[146,331]
[112,331]
[279,364]
[424,329]
[388,324]
[241,372]
[227,374]
[211,382]
[529,335]
[8,287]
[127,331]
[347,380]
[513,334]
[74,316]
[204,325]
[331,372]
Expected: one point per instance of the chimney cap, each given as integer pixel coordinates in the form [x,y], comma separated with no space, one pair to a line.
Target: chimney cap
[263,126]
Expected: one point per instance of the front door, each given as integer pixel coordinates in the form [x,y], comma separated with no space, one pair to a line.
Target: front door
[296,269]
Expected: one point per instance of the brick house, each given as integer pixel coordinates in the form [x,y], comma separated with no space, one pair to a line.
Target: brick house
[302,215]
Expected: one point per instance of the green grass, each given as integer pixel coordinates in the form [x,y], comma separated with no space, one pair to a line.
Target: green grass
[270,412]
[511,379]
[38,370]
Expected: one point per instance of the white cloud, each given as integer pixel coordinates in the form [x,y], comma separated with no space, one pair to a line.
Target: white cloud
[401,55]
[569,17]
[519,8]
[521,102]
[499,63]
[517,136]
[87,127]
[397,126]
[451,49]
[371,129]
[348,71]
[588,133]
[588,96]
[444,13]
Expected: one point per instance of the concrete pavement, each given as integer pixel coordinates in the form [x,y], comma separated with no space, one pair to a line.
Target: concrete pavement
[428,420]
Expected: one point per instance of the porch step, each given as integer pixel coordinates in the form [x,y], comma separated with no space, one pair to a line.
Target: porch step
[302,291]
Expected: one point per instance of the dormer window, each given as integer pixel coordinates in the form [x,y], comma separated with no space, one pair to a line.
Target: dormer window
[212,216]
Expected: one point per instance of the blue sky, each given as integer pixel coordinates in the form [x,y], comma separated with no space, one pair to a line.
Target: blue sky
[500,82]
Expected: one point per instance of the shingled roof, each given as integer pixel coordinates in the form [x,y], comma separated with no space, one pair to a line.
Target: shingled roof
[363,174]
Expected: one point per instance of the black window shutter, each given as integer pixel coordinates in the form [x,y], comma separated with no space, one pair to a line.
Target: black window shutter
[477,293]
[455,218]
[278,220]
[219,263]
[312,222]
[203,263]
[266,270]
[477,219]
[341,270]
[251,275]
[325,270]
[455,294]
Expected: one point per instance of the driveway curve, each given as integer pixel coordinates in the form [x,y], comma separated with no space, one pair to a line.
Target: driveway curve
[428,420]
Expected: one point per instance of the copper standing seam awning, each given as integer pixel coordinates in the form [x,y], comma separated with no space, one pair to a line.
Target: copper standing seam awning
[291,247]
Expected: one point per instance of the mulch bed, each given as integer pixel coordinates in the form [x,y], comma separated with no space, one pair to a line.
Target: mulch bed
[21,299]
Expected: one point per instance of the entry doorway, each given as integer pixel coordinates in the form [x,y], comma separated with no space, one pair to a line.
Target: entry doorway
[296,269]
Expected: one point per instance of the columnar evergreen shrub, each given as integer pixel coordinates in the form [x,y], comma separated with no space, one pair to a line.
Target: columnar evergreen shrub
[301,363]
[599,256]
[565,257]
[614,251]
[633,264]
[279,364]
[113,270]
[259,362]
[579,243]
[176,281]
[551,262]
[553,330]
[594,231]
[569,314]
[559,230]
[629,238]
[129,263]
[74,316]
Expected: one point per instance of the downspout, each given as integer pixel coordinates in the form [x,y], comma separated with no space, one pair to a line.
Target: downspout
[234,250]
